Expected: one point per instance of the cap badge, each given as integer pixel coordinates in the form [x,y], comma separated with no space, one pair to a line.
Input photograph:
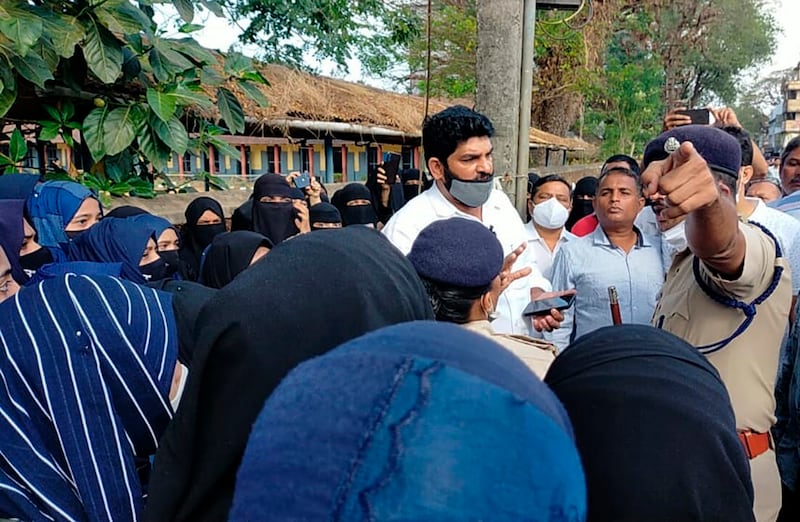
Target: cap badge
[671,145]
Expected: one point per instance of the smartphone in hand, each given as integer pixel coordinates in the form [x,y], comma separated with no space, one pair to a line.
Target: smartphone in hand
[541,307]
[391,164]
[699,116]
[303,180]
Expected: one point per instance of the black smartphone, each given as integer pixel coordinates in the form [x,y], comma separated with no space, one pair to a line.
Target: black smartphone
[543,306]
[391,164]
[303,180]
[698,116]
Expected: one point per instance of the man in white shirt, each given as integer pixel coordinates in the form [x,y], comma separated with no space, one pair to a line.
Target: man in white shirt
[549,205]
[458,152]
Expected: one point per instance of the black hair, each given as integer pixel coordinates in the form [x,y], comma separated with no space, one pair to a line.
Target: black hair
[626,172]
[549,179]
[445,130]
[452,304]
[788,149]
[617,158]
[745,142]
[724,178]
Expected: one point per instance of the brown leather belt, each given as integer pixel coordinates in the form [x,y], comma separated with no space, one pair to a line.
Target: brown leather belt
[754,443]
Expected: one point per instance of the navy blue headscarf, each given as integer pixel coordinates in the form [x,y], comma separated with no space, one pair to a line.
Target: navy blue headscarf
[655,428]
[12,235]
[418,421]
[52,206]
[87,368]
[17,186]
[155,223]
[114,240]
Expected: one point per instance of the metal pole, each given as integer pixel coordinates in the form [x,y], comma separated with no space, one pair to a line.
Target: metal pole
[526,89]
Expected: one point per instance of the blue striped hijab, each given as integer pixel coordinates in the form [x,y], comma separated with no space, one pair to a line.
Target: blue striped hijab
[52,206]
[86,369]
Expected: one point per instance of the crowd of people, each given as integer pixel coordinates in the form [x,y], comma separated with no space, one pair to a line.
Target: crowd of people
[373,355]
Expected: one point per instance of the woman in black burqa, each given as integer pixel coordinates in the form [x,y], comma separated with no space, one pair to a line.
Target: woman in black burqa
[277,314]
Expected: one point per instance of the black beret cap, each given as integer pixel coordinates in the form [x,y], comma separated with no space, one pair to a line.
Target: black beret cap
[457,251]
[720,150]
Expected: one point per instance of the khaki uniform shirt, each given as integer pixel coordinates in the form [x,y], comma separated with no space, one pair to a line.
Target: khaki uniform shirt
[749,364]
[537,355]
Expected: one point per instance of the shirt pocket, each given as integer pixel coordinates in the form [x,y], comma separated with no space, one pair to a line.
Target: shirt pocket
[672,313]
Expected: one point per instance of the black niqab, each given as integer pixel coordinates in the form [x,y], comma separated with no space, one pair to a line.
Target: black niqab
[229,255]
[358,214]
[271,318]
[582,207]
[410,191]
[195,238]
[242,217]
[655,429]
[274,220]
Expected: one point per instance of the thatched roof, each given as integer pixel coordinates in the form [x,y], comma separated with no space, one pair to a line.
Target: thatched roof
[296,96]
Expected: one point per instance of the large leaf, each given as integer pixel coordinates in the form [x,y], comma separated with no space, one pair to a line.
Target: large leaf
[172,133]
[153,149]
[65,31]
[120,130]
[46,49]
[237,63]
[254,93]
[32,68]
[185,9]
[49,131]
[93,132]
[22,27]
[103,53]
[189,97]
[159,65]
[176,59]
[255,76]
[163,104]
[8,90]
[214,7]
[192,49]
[231,110]
[224,147]
[124,18]
[17,148]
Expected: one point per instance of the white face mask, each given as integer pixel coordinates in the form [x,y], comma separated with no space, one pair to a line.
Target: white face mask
[181,385]
[676,237]
[550,214]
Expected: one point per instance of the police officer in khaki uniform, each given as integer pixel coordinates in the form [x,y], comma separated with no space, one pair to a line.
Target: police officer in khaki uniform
[460,262]
[729,292]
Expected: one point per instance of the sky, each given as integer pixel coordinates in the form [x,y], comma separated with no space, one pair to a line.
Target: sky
[221,34]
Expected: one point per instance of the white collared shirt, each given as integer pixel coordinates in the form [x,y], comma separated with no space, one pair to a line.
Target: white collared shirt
[542,255]
[502,219]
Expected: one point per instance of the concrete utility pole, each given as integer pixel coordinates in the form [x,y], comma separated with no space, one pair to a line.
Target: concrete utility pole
[499,59]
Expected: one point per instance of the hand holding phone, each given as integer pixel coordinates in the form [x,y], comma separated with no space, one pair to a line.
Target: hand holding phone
[550,301]
[391,164]
[698,116]
[303,180]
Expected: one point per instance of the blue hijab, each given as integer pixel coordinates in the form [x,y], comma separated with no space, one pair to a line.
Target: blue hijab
[17,186]
[113,240]
[155,223]
[87,368]
[12,235]
[418,421]
[52,206]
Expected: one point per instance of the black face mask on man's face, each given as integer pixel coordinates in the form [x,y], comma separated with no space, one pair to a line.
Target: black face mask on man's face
[35,260]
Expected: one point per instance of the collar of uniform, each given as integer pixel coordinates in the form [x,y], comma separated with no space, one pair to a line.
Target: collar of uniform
[445,209]
[533,234]
[599,237]
[482,327]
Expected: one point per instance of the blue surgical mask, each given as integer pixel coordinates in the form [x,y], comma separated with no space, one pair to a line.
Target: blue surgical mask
[471,193]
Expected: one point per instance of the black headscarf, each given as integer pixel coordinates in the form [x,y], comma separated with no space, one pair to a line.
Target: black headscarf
[324,213]
[252,333]
[410,191]
[242,217]
[355,215]
[655,428]
[195,238]
[12,235]
[126,211]
[274,220]
[229,255]
[582,207]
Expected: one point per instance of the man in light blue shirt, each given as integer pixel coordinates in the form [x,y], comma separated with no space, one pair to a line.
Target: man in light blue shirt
[790,179]
[615,254]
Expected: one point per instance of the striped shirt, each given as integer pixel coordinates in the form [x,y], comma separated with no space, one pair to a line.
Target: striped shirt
[84,380]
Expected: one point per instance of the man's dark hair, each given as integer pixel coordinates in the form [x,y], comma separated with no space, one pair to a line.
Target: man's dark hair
[549,179]
[788,149]
[745,142]
[617,158]
[452,304]
[444,131]
[625,172]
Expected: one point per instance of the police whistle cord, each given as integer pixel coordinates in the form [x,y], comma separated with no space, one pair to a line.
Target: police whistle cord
[749,310]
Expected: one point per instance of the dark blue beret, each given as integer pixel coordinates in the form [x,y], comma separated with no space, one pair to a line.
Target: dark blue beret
[457,251]
[720,150]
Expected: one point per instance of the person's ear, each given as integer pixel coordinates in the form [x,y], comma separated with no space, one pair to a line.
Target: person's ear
[436,168]
[745,175]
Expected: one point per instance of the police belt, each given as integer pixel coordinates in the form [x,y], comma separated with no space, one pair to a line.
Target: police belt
[748,309]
